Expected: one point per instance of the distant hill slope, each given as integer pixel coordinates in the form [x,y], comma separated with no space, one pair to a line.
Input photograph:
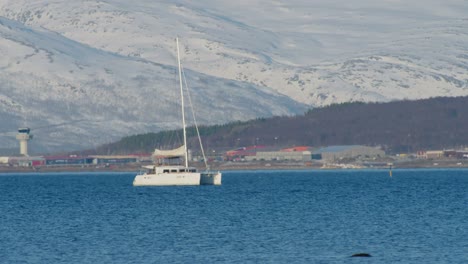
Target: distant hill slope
[396,126]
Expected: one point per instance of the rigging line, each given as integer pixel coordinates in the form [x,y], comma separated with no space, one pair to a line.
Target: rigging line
[194,119]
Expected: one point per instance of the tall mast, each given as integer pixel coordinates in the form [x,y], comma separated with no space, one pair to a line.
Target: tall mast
[182,104]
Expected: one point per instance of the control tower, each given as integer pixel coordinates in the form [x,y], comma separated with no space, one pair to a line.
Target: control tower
[23,137]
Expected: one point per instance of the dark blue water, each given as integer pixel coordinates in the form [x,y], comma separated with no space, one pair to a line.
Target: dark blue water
[417,216]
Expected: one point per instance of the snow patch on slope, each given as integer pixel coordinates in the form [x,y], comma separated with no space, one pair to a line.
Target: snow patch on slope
[259,58]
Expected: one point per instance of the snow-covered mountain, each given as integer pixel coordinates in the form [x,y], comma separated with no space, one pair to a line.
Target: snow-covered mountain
[82,73]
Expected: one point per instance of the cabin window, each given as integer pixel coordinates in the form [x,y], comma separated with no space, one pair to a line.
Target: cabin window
[173,170]
[165,171]
[193,170]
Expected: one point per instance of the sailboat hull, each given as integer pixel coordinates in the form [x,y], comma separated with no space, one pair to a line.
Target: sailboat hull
[210,178]
[167,179]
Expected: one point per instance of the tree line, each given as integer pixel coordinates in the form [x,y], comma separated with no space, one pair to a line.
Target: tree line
[398,127]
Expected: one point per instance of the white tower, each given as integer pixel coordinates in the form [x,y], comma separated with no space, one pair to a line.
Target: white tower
[23,137]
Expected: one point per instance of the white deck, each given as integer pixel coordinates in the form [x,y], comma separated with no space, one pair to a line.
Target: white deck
[167,179]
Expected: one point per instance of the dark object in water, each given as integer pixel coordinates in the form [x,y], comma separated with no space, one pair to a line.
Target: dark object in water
[362,255]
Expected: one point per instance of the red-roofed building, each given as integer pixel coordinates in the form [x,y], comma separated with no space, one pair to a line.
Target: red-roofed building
[243,152]
[297,148]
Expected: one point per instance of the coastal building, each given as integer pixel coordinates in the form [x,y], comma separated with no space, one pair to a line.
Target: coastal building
[243,152]
[281,156]
[297,153]
[4,161]
[113,159]
[457,154]
[434,154]
[334,153]
[26,161]
[63,160]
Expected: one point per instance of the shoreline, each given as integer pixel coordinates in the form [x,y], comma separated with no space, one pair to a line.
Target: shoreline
[441,164]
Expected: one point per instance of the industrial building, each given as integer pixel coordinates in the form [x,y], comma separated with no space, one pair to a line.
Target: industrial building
[71,160]
[457,154]
[328,154]
[26,161]
[113,159]
[67,160]
[281,155]
[434,154]
[243,152]
[297,153]
[334,153]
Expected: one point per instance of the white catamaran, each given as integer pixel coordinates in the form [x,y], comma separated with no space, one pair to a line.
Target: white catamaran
[169,175]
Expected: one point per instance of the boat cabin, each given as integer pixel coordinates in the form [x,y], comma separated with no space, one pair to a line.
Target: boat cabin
[168,169]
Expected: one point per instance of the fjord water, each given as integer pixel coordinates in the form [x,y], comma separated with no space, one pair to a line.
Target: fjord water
[417,216]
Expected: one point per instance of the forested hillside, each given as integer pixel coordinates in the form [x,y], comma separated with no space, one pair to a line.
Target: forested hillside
[403,126]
